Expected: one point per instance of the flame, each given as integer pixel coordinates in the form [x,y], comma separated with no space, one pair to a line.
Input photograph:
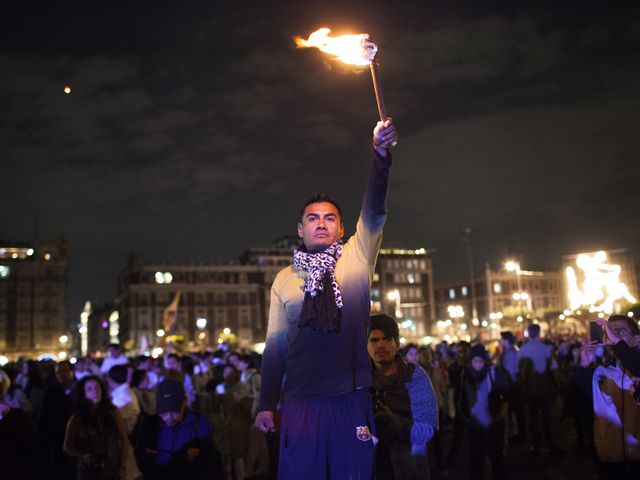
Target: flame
[350,49]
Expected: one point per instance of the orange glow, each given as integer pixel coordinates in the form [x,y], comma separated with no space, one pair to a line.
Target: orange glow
[67,89]
[349,49]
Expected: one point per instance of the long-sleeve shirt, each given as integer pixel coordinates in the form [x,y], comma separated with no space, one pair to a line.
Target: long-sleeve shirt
[306,363]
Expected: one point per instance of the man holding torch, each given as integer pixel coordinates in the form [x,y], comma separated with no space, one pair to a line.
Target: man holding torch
[315,364]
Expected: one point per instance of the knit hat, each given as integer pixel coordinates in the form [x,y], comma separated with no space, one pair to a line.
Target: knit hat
[479,351]
[170,396]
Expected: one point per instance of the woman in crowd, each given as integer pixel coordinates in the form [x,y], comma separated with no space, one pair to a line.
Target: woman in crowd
[483,403]
[410,353]
[96,434]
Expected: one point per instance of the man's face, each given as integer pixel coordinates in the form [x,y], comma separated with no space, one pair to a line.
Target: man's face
[173,364]
[321,226]
[623,332]
[382,349]
[171,419]
[463,353]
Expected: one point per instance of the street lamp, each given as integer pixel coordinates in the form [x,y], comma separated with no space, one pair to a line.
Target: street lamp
[201,323]
[513,266]
[394,296]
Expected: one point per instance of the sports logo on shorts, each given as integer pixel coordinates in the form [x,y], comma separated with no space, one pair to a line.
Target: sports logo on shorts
[363,433]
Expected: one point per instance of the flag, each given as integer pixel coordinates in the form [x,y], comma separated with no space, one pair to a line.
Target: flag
[171,315]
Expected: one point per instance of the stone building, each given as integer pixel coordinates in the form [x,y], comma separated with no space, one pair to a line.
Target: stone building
[33,297]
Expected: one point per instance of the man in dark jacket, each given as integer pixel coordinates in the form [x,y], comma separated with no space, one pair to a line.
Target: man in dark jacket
[175,443]
[57,408]
[406,409]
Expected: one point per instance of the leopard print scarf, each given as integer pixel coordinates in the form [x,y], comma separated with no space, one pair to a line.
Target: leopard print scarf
[320,310]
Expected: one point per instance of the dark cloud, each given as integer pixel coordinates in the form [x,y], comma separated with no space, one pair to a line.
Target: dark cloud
[193,132]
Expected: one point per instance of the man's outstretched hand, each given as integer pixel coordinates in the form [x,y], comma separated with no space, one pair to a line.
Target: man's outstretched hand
[384,136]
[264,422]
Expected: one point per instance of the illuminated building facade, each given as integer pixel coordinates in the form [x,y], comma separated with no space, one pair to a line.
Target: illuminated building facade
[33,297]
[505,299]
[212,298]
[236,296]
[523,295]
[403,288]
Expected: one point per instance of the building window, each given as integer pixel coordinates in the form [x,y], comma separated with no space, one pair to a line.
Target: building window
[497,288]
[464,291]
[452,293]
[411,278]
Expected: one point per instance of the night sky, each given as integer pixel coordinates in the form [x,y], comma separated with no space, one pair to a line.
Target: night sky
[195,129]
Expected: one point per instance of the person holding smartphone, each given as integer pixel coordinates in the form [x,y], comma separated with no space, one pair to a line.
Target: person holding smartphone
[612,392]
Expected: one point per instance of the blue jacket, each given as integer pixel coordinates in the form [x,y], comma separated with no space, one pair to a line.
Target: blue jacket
[161,451]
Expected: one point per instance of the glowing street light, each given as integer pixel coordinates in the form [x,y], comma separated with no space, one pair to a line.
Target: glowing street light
[394,296]
[201,323]
[512,266]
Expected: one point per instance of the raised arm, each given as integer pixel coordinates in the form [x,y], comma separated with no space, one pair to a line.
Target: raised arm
[375,196]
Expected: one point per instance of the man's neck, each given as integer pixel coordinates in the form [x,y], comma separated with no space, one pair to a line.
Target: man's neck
[386,369]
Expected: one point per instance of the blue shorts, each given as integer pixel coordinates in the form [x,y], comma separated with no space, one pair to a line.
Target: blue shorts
[328,438]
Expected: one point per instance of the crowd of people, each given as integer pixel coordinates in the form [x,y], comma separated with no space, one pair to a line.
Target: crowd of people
[333,396]
[192,415]
[123,417]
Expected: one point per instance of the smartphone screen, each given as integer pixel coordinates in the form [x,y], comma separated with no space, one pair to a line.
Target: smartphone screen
[595,332]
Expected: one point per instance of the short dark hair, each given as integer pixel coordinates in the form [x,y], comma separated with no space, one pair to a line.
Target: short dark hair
[321,198]
[508,336]
[386,324]
[248,359]
[119,373]
[533,330]
[137,377]
[633,326]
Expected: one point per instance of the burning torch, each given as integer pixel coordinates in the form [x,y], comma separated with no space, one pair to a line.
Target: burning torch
[358,50]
